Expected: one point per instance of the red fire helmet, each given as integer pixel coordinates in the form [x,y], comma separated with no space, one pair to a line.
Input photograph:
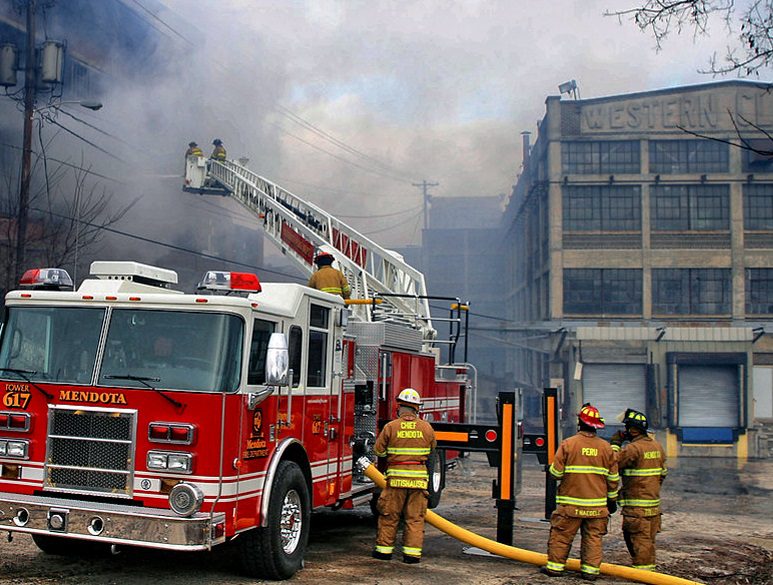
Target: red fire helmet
[590,416]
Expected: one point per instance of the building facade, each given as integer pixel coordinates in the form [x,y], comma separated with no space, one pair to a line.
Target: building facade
[640,261]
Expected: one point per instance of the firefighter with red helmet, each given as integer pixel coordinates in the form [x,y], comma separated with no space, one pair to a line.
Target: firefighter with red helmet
[642,464]
[407,443]
[586,466]
[329,279]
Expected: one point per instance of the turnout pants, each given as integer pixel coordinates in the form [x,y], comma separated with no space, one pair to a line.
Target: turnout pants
[562,531]
[640,525]
[412,505]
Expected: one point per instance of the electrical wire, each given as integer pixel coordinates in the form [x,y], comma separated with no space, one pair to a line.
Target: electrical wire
[168,245]
[92,126]
[383,169]
[67,164]
[86,140]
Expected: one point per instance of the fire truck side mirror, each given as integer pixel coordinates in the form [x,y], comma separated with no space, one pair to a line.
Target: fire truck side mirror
[277,360]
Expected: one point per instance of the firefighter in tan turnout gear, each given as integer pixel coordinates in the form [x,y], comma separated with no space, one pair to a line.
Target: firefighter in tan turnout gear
[407,443]
[642,464]
[586,465]
[329,279]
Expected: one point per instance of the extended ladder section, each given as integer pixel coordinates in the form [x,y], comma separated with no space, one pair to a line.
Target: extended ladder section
[299,227]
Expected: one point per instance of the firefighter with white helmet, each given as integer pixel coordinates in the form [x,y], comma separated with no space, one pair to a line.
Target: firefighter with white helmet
[642,464]
[407,443]
[329,279]
[586,466]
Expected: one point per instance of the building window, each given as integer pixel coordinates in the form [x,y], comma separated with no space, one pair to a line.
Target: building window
[758,158]
[759,291]
[602,208]
[602,291]
[691,291]
[602,157]
[688,156]
[758,207]
[690,207]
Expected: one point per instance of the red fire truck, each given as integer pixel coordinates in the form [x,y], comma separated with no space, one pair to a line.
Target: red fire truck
[135,414]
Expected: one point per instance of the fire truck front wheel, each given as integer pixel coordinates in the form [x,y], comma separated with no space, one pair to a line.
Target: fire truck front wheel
[276,551]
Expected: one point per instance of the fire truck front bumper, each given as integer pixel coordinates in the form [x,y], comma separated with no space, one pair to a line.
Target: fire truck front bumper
[111,523]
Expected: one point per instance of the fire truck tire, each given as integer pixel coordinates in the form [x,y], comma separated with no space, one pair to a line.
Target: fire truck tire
[436,466]
[56,545]
[276,551]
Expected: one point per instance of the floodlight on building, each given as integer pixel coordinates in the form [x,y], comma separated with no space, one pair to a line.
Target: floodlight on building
[569,87]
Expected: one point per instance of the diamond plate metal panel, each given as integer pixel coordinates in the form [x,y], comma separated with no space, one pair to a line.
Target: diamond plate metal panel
[386,335]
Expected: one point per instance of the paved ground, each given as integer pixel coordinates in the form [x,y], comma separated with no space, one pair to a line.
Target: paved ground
[717,529]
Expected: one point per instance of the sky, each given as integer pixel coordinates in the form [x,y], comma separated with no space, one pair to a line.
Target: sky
[348,103]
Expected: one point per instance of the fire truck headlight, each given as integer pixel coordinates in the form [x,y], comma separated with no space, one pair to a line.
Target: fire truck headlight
[3,448]
[15,449]
[157,460]
[181,462]
[185,499]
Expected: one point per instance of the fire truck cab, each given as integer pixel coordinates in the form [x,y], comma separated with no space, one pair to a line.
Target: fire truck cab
[135,414]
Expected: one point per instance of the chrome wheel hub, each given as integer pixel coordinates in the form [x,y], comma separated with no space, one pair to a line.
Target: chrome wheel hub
[291,522]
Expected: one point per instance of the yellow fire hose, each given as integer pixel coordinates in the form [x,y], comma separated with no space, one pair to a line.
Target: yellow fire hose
[523,555]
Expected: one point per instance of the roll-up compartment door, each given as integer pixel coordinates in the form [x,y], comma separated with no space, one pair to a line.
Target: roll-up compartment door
[614,387]
[708,396]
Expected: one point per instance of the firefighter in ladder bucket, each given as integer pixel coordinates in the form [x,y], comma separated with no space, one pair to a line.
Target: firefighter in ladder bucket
[407,443]
[642,464]
[586,466]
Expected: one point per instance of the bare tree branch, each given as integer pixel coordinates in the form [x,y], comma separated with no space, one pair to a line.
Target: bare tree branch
[750,53]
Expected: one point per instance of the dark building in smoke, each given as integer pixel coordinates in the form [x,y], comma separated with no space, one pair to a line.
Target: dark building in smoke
[461,256]
[640,266]
[112,46]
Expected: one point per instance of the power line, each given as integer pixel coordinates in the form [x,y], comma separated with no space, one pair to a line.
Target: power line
[167,245]
[86,140]
[385,170]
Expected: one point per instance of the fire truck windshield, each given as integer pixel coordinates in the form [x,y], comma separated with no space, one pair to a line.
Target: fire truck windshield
[51,344]
[179,350]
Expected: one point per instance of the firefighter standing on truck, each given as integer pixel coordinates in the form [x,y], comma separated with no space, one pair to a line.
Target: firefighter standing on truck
[329,279]
[407,443]
[642,464]
[586,465]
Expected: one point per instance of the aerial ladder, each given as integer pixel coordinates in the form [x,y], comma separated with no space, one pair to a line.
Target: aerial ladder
[385,286]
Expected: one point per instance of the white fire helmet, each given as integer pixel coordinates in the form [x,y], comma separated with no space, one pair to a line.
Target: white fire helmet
[410,397]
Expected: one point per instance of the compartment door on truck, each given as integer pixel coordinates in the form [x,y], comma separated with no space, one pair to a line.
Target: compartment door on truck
[320,403]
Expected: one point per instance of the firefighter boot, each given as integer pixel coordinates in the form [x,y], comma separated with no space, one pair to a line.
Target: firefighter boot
[551,573]
[587,577]
[381,556]
[411,560]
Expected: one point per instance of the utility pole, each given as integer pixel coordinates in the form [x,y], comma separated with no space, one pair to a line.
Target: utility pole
[30,85]
[424,186]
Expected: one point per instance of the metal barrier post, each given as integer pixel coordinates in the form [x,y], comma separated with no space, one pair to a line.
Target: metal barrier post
[550,419]
[504,487]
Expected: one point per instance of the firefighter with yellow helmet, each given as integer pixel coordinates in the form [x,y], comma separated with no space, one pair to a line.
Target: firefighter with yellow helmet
[642,464]
[586,466]
[407,443]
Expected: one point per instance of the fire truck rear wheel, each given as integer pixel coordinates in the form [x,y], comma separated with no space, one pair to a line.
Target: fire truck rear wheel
[436,466]
[276,551]
[57,545]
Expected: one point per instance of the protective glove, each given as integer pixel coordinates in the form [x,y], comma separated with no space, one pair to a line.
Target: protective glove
[617,438]
[612,506]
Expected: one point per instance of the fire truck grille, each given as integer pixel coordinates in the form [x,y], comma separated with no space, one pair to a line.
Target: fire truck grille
[90,451]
